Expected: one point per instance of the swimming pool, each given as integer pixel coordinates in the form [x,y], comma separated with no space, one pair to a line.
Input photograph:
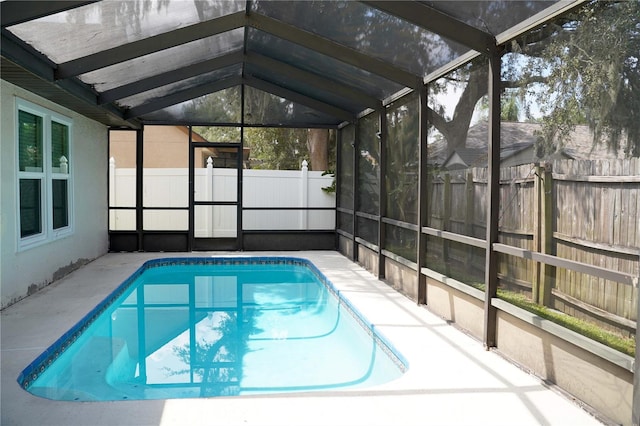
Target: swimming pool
[221,326]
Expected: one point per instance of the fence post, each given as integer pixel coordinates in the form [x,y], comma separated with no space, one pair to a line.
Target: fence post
[112,193]
[547,272]
[446,220]
[469,212]
[635,404]
[304,194]
[538,195]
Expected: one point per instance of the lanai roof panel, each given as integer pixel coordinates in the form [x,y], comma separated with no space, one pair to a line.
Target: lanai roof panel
[201,110]
[200,80]
[164,61]
[369,30]
[106,24]
[284,112]
[303,88]
[493,16]
[333,57]
[320,64]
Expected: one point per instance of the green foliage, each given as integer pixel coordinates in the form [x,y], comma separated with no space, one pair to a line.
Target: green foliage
[219,107]
[510,110]
[625,345]
[331,189]
[218,133]
[273,148]
[402,161]
[583,69]
[277,148]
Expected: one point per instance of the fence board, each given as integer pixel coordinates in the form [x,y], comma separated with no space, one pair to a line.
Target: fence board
[168,187]
[595,220]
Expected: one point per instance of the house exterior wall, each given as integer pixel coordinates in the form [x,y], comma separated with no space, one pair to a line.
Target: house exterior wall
[164,147]
[26,271]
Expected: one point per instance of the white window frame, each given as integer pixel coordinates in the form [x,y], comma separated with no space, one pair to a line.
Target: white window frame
[46,176]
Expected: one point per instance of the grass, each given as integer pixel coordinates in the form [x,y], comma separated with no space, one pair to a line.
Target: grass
[625,345]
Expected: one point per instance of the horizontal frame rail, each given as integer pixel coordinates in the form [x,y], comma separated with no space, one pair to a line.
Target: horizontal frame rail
[287,208]
[400,224]
[452,236]
[596,271]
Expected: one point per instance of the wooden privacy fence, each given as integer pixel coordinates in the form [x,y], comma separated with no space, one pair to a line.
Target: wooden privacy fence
[586,211]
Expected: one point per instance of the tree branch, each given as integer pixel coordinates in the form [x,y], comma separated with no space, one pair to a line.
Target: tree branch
[437,120]
[512,84]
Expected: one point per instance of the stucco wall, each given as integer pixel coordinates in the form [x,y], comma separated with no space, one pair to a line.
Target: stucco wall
[602,385]
[401,278]
[453,305]
[23,272]
[368,259]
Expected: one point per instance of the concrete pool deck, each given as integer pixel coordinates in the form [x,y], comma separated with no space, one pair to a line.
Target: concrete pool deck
[451,380]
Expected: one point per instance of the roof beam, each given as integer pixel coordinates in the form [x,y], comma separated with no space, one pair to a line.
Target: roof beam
[149,45]
[37,64]
[435,21]
[334,50]
[182,96]
[322,83]
[24,55]
[170,77]
[13,12]
[299,98]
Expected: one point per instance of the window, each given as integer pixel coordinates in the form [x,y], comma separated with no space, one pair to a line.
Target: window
[44,175]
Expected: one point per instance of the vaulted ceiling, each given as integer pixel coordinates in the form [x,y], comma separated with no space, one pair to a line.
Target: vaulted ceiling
[125,63]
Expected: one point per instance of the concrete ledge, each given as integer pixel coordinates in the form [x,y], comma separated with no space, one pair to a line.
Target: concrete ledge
[455,305]
[599,383]
[596,348]
[402,278]
[345,246]
[368,259]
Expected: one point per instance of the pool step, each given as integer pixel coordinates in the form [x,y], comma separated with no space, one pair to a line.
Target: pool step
[85,377]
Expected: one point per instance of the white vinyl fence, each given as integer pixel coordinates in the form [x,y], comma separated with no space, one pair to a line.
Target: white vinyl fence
[169,188]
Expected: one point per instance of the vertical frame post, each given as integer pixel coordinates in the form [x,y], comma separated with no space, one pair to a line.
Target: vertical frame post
[338,178]
[382,189]
[356,198]
[422,195]
[493,200]
[239,178]
[139,184]
[192,206]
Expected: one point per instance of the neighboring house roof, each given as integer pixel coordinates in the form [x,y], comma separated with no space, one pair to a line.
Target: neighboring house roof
[518,146]
[196,137]
[464,158]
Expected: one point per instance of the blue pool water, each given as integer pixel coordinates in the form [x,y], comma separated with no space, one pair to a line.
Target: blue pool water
[206,327]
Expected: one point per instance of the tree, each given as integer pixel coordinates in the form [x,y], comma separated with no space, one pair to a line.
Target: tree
[472,81]
[401,176]
[277,148]
[510,110]
[318,146]
[581,68]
